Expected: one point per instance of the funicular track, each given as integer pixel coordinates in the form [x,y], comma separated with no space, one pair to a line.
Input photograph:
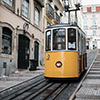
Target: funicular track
[39,88]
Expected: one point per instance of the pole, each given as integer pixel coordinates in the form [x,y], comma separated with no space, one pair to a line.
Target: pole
[76,17]
[68,17]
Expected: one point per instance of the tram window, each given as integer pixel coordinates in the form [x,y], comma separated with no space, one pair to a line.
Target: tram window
[79,43]
[71,39]
[82,44]
[59,39]
[48,40]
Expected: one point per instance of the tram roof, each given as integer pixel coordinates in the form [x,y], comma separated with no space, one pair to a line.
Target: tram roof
[64,25]
[61,25]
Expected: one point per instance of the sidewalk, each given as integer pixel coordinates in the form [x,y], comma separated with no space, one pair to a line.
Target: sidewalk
[19,77]
[89,87]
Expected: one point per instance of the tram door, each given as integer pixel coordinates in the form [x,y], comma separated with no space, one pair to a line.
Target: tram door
[23,52]
[36,52]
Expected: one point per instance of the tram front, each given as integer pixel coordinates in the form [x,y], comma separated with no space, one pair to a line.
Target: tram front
[61,52]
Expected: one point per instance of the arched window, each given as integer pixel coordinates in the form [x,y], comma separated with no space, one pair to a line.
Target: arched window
[6,40]
[37,17]
[25,8]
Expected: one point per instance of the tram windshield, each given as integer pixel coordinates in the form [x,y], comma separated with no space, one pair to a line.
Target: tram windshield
[59,39]
[48,40]
[71,39]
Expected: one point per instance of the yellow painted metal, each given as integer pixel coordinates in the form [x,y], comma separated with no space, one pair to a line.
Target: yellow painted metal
[69,68]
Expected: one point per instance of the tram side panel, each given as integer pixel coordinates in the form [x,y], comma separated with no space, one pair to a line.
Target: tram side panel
[85,60]
[69,68]
[80,65]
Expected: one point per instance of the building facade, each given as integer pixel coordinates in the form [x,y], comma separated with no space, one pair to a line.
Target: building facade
[21,34]
[54,11]
[91,25]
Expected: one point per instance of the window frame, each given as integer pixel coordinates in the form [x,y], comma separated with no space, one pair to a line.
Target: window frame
[79,42]
[94,25]
[47,46]
[28,14]
[84,9]
[85,25]
[11,8]
[93,16]
[75,38]
[93,8]
[36,17]
[85,16]
[94,32]
[58,42]
[7,37]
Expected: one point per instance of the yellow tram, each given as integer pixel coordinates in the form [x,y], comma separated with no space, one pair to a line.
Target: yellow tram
[65,51]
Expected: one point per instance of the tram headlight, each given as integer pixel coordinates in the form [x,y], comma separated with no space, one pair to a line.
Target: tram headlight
[58,64]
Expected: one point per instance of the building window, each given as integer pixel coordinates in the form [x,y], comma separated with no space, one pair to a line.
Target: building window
[85,16]
[25,8]
[85,25]
[93,16]
[9,2]
[84,9]
[93,8]
[94,33]
[37,17]
[85,22]
[6,41]
[94,24]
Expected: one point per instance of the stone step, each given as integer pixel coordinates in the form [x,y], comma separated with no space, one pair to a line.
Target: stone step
[95,69]
[94,72]
[96,62]
[93,76]
[97,66]
[91,83]
[88,93]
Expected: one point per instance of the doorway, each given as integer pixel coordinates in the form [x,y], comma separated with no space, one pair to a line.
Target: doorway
[23,52]
[36,52]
